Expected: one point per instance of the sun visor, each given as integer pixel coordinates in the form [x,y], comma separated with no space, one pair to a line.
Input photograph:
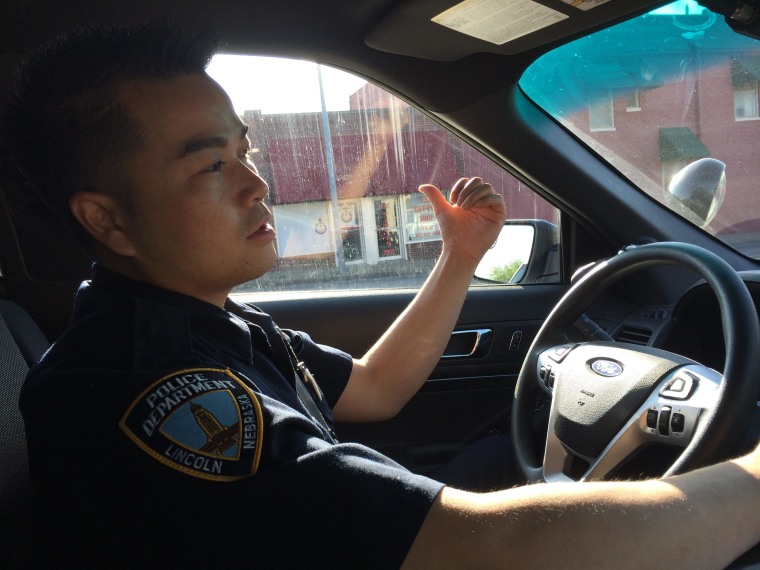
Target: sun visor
[442,30]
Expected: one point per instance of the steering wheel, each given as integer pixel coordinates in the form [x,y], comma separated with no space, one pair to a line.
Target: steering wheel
[610,399]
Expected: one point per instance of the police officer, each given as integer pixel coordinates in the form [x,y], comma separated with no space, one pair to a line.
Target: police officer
[169,425]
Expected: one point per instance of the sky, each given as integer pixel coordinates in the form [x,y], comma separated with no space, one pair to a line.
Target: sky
[276,85]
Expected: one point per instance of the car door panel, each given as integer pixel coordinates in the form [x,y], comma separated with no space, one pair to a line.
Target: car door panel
[465,397]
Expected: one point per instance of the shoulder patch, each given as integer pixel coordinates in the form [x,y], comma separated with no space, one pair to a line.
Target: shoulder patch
[205,422]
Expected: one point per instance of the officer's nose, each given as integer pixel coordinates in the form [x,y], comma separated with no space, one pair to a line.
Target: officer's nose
[254,188]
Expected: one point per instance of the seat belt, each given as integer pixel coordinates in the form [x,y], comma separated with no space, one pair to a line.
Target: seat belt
[303,377]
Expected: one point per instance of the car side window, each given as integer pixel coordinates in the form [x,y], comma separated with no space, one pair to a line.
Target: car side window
[343,159]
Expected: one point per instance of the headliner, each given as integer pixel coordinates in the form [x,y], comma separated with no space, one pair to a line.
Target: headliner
[395,43]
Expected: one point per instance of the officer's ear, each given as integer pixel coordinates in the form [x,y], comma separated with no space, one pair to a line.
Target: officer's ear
[104,219]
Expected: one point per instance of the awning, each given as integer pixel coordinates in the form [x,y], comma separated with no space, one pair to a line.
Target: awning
[745,70]
[680,142]
[299,168]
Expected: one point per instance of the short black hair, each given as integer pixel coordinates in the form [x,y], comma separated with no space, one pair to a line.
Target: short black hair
[65,127]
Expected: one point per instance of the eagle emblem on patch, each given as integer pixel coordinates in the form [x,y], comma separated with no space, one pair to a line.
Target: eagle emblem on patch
[205,422]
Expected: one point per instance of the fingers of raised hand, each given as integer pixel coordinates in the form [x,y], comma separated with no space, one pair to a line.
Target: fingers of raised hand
[456,189]
[468,191]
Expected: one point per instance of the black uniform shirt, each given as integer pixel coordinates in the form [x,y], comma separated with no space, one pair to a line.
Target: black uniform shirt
[164,430]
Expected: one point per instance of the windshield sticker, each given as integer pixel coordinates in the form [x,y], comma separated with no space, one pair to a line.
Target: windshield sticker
[585,4]
[498,21]
[204,422]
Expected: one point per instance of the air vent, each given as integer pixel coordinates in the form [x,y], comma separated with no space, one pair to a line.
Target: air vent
[634,335]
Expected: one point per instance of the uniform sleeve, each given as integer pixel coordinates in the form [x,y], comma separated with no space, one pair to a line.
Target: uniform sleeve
[331,367]
[338,506]
[350,507]
[311,504]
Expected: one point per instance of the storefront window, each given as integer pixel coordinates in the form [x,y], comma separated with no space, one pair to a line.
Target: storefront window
[386,222]
[421,224]
[351,231]
[303,229]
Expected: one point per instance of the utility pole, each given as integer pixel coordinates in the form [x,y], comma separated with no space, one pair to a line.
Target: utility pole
[340,258]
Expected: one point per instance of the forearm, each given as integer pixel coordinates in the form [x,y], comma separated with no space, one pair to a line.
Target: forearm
[402,359]
[409,350]
[385,378]
[703,519]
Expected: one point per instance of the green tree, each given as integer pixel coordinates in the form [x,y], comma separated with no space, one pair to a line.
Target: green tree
[503,273]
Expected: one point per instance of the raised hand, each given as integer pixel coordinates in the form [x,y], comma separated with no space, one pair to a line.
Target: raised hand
[470,221]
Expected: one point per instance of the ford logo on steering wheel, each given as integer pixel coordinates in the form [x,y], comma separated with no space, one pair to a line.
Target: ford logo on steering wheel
[607,368]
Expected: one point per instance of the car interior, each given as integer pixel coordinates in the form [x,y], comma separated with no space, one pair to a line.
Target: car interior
[648,249]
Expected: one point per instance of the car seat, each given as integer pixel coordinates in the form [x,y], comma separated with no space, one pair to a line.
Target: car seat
[22,344]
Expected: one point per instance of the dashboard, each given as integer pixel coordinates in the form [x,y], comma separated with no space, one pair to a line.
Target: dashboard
[673,310]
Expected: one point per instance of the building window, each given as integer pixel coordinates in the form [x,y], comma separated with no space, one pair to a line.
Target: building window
[303,229]
[421,224]
[745,102]
[600,116]
[387,227]
[351,231]
[632,101]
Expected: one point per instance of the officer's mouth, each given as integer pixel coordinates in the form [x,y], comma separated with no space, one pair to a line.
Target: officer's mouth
[265,231]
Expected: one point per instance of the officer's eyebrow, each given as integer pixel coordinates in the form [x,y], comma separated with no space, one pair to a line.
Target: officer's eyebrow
[202,143]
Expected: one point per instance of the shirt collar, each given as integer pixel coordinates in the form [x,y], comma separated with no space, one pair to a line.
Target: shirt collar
[190,320]
[107,280]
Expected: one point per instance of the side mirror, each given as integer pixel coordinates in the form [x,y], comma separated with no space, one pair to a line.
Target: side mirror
[697,191]
[526,251]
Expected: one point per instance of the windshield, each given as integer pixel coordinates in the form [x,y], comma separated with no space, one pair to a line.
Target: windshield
[671,89]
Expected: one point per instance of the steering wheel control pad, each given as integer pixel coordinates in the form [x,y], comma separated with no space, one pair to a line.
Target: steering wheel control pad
[598,385]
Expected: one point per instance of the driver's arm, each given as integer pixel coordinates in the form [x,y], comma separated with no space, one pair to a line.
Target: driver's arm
[702,519]
[393,370]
